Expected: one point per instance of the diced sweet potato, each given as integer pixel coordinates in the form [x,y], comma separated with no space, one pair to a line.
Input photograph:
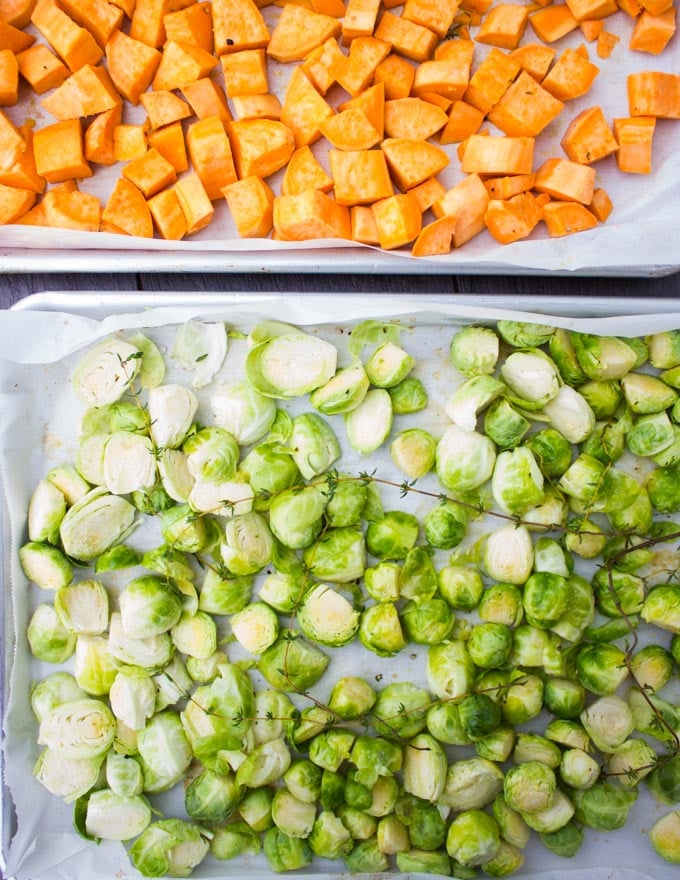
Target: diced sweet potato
[12,144]
[169,141]
[571,76]
[504,26]
[507,187]
[147,21]
[207,98]
[397,75]
[360,18]
[653,93]
[193,24]
[437,17]
[466,201]
[591,9]
[525,109]
[355,72]
[129,142]
[565,180]
[304,109]
[652,33]
[588,137]
[9,78]
[350,130]
[99,17]
[591,30]
[75,45]
[245,72]
[406,37]
[14,203]
[320,62]
[150,173]
[304,172]
[58,150]
[606,43]
[447,78]
[413,118]
[72,210]
[566,218]
[310,214]
[371,102]
[512,219]
[126,211]
[601,205]
[435,239]
[86,92]
[132,64]
[363,224]
[237,25]
[498,155]
[427,193]
[251,203]
[299,31]
[181,64]
[553,22]
[23,173]
[412,162]
[464,120]
[634,136]
[41,68]
[168,215]
[99,147]
[194,201]
[210,152]
[361,177]
[261,146]
[491,80]
[164,107]
[398,220]
[17,13]
[535,58]
[14,39]
[256,107]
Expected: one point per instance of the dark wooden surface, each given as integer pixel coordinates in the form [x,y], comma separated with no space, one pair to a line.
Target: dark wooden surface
[15,287]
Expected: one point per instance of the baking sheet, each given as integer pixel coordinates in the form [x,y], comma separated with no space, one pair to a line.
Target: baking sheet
[641,238]
[38,350]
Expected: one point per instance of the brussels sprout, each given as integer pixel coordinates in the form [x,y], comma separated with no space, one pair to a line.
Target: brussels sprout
[248,544]
[554,817]
[530,787]
[461,587]
[375,758]
[66,778]
[662,608]
[69,482]
[512,826]
[464,459]
[335,789]
[562,352]
[652,667]
[507,554]
[330,748]
[312,721]
[653,716]
[474,350]
[413,452]
[369,424]
[608,441]
[195,635]
[578,770]
[95,664]
[400,710]
[256,809]
[479,715]
[669,456]
[603,397]
[220,595]
[48,638]
[662,486]
[292,664]
[601,668]
[314,445]
[496,746]
[530,644]
[564,697]
[255,627]
[149,606]
[548,514]
[380,629]
[149,652]
[211,454]
[117,557]
[290,364]
[388,365]
[171,411]
[133,699]
[501,604]
[105,372]
[384,795]
[445,525]
[235,839]
[200,348]
[338,556]
[82,728]
[424,862]
[520,334]
[169,846]
[517,481]
[424,820]
[504,425]
[664,349]
[471,784]
[366,858]
[608,722]
[424,770]
[489,645]
[46,511]
[427,621]
[325,616]
[330,839]
[242,411]
[110,816]
[408,396]
[45,565]
[95,523]
[382,581]
[523,699]
[265,764]
[532,376]
[164,751]
[351,697]
[570,414]
[664,781]
[57,688]
[650,435]
[303,780]
[295,516]
[664,835]
[546,598]
[632,761]
[647,394]
[392,836]
[83,607]
[551,450]
[292,816]
[508,860]
[360,825]
[472,397]
[392,536]
[604,357]
[269,470]
[183,530]
[585,538]
[343,392]
[347,502]
[443,722]
[473,838]
[600,488]
[450,670]
[603,807]
[274,714]
[565,842]
[129,463]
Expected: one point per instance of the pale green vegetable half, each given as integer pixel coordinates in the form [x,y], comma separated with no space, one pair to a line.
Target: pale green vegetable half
[78,729]
[465,459]
[532,376]
[255,627]
[171,412]
[570,414]
[664,835]
[471,398]
[326,616]
[45,565]
[343,392]
[290,365]
[111,816]
[424,769]
[170,846]
[48,638]
[242,411]
[83,607]
[164,750]
[507,554]
[129,463]
[314,446]
[66,778]
[211,454]
[149,606]
[248,544]
[46,510]
[517,481]
[95,523]
[200,349]
[474,350]
[104,374]
[368,425]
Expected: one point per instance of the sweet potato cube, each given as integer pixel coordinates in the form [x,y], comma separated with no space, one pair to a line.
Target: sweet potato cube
[591,9]
[237,25]
[150,173]
[413,118]
[553,22]
[656,7]
[653,93]
[163,107]
[398,220]
[193,25]
[256,107]
[350,130]
[606,43]
[304,109]
[58,150]
[128,6]
[9,78]
[169,141]
[260,146]
[99,17]
[99,136]
[565,180]
[372,103]
[498,155]
[318,65]
[588,137]
[525,109]
[245,72]
[504,26]
[435,239]
[455,50]
[512,219]
[360,18]
[41,68]
[591,30]
[447,78]
[652,33]
[334,8]
[466,201]
[14,39]
[72,210]
[630,7]
[126,211]
[75,45]
[17,13]
[566,218]
[361,176]
[86,92]
[182,63]
[412,162]
[14,203]
[601,206]
[12,144]
[535,58]
[397,75]
[167,215]
[304,171]
[406,37]
[210,152]
[23,173]
[509,186]
[207,98]
[571,76]
[251,203]
[427,193]
[464,120]
[491,80]
[356,71]
[634,137]
[147,23]
[129,142]
[437,17]
[194,201]
[363,224]
[132,65]
[309,215]
[299,31]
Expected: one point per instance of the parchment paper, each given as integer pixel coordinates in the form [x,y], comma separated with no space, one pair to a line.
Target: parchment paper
[37,354]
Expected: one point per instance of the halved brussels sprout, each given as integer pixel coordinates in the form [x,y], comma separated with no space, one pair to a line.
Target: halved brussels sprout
[169,846]
[647,394]
[424,769]
[149,606]
[48,638]
[505,425]
[552,451]
[103,375]
[200,348]
[392,536]
[164,750]
[66,778]
[235,839]
[532,376]
[45,565]
[338,556]
[314,445]
[295,516]
[290,364]
[413,452]
[343,392]
[78,729]
[83,607]
[95,523]
[473,838]
[171,412]
[474,350]
[471,784]
[570,414]
[445,525]
[110,816]
[427,621]
[242,411]
[464,460]
[664,835]
[248,544]
[603,806]
[450,670]
[46,510]
[351,697]
[604,357]
[380,629]
[292,664]
[369,424]
[471,398]
[255,627]
[517,481]
[129,463]
[507,554]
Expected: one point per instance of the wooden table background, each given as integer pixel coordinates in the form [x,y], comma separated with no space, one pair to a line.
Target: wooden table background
[14,287]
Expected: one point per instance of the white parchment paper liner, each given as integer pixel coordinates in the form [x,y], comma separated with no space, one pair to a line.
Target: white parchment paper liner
[37,350]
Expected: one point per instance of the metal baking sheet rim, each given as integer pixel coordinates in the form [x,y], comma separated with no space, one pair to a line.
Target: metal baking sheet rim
[333,260]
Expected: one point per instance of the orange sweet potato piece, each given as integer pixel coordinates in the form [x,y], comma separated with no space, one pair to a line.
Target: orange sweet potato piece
[634,136]
[398,220]
[129,142]
[319,64]
[397,75]
[58,150]
[193,199]
[535,58]
[256,107]
[591,29]
[653,93]
[504,26]
[447,78]
[630,7]
[356,71]
[507,187]
[588,137]
[126,211]
[606,42]
[260,146]
[181,64]
[413,118]
[304,171]
[17,13]
[512,219]
[163,107]
[245,72]
[360,18]
[566,218]
[498,155]
[99,136]
[652,33]
[491,80]
[150,173]
[412,162]
[525,109]
[72,210]
[99,17]
[193,24]
[251,203]
[466,201]
[14,203]
[371,102]
[565,180]
[350,130]
[12,144]
[146,22]
[167,215]
[23,173]
[437,17]
[591,9]
[132,65]
[304,109]
[41,68]
[310,214]
[361,176]
[9,78]
[656,7]
[299,31]
[427,193]
[553,22]
[14,39]
[464,120]
[436,238]
[169,141]
[363,224]
[406,37]
[211,155]
[86,92]
[75,45]
[207,98]
[571,76]
[601,205]
[238,24]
